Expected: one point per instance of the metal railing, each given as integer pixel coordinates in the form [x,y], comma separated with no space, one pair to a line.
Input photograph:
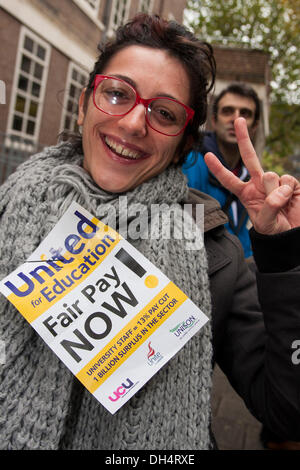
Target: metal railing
[13,151]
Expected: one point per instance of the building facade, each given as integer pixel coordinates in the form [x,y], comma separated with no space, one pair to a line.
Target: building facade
[48,48]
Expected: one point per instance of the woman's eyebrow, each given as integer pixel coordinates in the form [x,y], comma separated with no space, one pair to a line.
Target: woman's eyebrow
[126,79]
[133,84]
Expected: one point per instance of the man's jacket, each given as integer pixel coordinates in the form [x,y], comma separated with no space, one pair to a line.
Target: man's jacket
[199,177]
[256,318]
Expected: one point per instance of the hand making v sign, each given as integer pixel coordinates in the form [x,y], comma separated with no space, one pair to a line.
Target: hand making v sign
[272,201]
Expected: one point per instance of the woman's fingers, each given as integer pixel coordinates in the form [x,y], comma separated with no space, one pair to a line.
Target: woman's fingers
[224,176]
[289,180]
[248,154]
[270,182]
[277,200]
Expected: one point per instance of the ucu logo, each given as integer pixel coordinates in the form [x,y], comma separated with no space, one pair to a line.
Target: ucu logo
[121,390]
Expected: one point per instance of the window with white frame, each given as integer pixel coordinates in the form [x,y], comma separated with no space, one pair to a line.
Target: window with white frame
[76,80]
[94,4]
[145,6]
[119,13]
[29,86]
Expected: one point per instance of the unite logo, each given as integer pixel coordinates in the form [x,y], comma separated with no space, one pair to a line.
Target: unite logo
[121,390]
[152,356]
[151,352]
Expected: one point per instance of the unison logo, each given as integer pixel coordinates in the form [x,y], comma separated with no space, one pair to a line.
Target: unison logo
[181,327]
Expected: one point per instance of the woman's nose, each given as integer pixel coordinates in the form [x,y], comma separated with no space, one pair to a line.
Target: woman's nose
[134,122]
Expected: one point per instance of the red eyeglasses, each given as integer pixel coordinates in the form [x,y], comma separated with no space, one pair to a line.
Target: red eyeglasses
[116,97]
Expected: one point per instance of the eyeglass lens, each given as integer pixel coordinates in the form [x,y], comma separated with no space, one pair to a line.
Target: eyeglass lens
[116,97]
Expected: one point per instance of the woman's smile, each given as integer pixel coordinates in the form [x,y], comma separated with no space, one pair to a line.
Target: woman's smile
[127,153]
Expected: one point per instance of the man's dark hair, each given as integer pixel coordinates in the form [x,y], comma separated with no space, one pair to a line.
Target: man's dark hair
[241,89]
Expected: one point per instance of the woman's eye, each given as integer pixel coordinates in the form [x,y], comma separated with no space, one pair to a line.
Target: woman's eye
[116,94]
[164,114]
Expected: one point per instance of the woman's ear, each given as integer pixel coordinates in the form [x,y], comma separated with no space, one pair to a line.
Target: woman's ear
[81,112]
[189,143]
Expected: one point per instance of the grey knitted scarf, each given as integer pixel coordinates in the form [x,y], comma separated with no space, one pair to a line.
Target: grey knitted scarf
[42,406]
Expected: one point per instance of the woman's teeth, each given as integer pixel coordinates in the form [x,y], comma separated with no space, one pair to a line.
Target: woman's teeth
[119,149]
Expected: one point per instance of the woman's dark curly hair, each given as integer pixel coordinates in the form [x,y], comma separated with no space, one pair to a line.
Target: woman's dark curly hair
[196,57]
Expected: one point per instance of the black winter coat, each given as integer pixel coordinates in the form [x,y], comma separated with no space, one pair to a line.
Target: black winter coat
[256,318]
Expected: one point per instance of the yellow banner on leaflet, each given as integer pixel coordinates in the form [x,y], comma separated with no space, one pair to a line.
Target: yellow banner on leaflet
[142,325]
[69,277]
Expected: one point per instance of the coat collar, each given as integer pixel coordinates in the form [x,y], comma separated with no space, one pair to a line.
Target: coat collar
[213,214]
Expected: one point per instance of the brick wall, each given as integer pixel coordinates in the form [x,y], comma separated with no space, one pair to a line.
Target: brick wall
[242,65]
[163,8]
[175,8]
[53,102]
[68,16]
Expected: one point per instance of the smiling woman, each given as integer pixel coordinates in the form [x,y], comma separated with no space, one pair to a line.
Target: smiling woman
[140,115]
